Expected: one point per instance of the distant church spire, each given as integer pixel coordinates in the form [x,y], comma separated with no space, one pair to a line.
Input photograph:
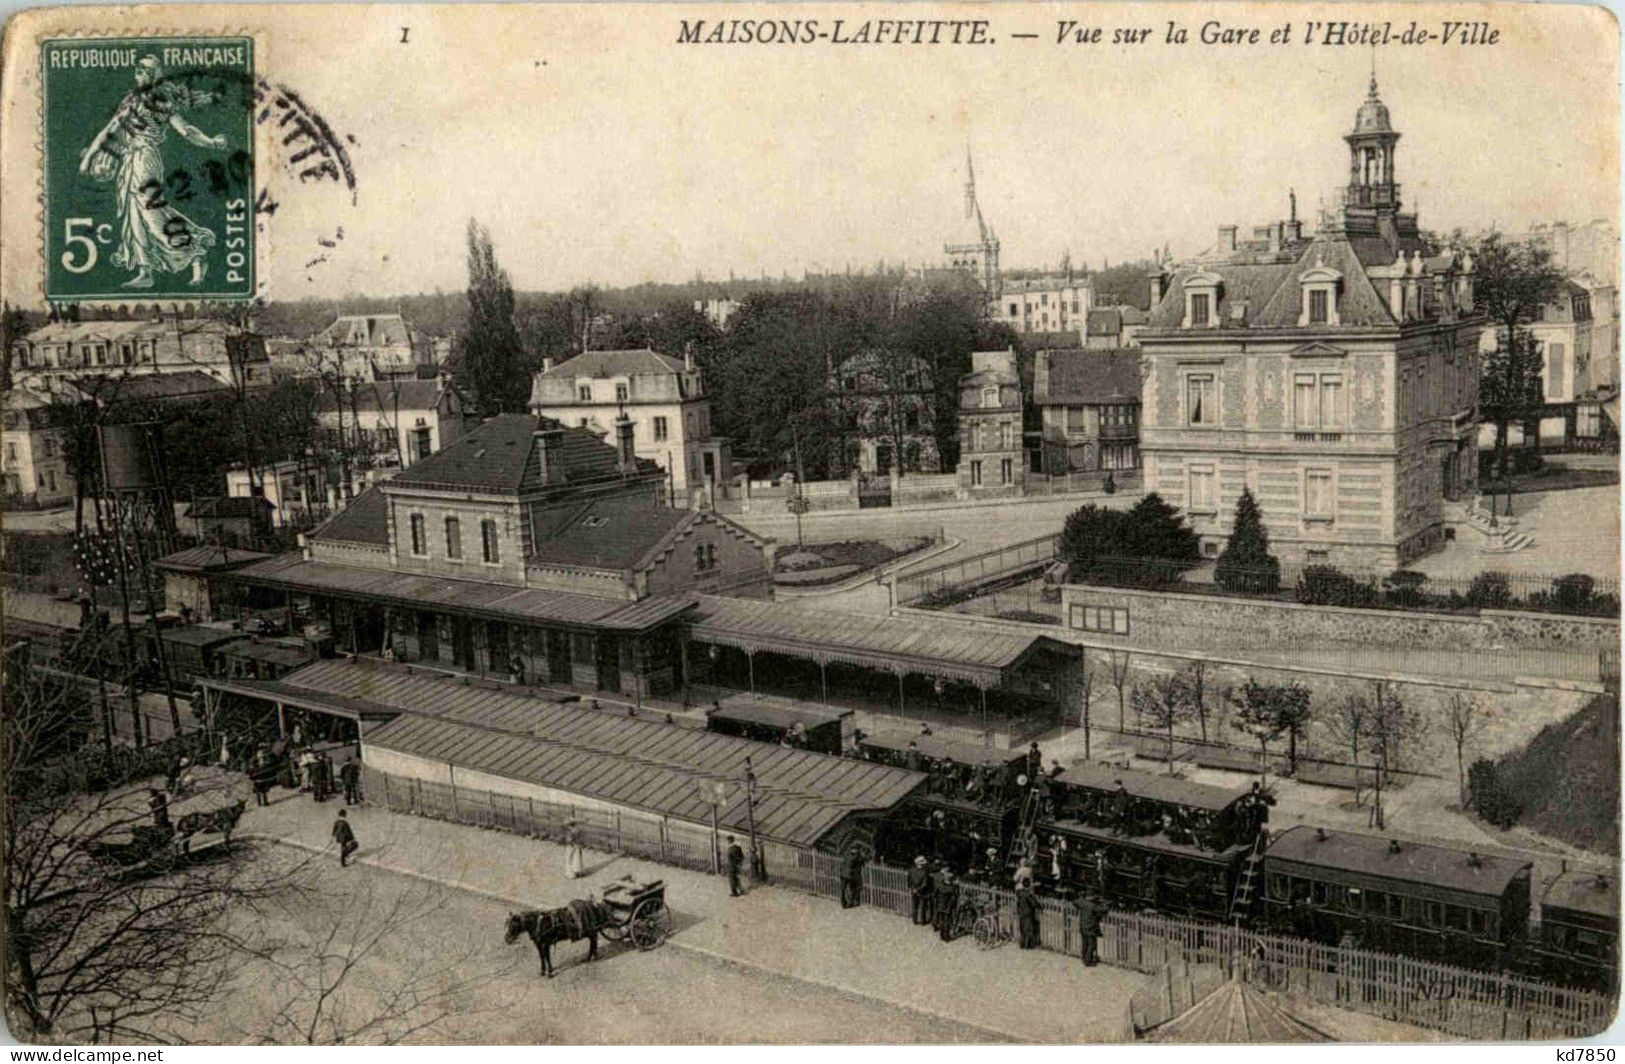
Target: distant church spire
[970,184]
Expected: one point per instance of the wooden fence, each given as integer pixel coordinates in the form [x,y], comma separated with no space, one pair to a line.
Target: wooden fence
[1459,1001]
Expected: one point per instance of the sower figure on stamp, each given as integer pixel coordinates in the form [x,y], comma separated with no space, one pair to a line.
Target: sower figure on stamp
[153,236]
[344,835]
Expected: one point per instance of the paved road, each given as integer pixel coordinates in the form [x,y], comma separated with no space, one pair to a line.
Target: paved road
[977,528]
[663,996]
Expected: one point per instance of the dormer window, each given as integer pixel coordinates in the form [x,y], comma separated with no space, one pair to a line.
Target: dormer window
[1319,305]
[1202,300]
[990,396]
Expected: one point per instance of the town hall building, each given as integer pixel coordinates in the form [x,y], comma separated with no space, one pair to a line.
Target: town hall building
[1335,375]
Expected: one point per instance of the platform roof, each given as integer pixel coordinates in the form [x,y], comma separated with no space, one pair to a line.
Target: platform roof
[196,635]
[356,709]
[1153,787]
[951,649]
[639,762]
[1448,867]
[503,602]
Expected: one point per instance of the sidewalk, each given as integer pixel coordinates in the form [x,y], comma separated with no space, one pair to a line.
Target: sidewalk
[1029,996]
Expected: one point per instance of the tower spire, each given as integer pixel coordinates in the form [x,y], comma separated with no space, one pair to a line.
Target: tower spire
[970,184]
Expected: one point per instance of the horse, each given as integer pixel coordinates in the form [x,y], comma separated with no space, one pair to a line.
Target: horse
[549,926]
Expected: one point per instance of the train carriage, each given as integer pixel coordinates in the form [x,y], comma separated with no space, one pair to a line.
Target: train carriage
[1426,901]
[1578,943]
[1147,841]
[971,803]
[769,719]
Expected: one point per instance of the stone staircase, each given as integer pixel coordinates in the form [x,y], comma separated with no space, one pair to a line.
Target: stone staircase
[1501,534]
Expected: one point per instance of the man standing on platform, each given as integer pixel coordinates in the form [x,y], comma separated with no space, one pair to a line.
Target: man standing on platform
[1090,909]
[736,863]
[1027,914]
[919,891]
[944,903]
[344,835]
[350,776]
[852,880]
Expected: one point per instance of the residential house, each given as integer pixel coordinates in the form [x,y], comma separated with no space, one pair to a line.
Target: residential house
[35,466]
[883,405]
[233,520]
[990,450]
[664,399]
[368,347]
[1089,409]
[719,312]
[394,421]
[1563,331]
[61,352]
[1336,377]
[1052,304]
[526,547]
[1108,328]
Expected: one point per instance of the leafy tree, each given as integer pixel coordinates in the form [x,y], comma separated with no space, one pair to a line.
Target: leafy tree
[13,325]
[1514,279]
[1268,711]
[493,369]
[1247,564]
[1163,702]
[1158,531]
[1489,795]
[1149,543]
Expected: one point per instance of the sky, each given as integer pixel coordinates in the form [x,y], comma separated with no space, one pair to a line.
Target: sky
[596,148]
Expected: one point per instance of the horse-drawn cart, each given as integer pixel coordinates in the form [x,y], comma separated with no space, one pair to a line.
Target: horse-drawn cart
[198,823]
[638,912]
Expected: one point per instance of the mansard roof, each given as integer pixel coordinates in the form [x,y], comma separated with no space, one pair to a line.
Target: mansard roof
[499,457]
[616,364]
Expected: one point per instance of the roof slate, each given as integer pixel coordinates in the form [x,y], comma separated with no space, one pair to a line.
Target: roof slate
[498,457]
[365,520]
[1085,377]
[1156,788]
[1585,892]
[616,533]
[208,558]
[387,396]
[616,364]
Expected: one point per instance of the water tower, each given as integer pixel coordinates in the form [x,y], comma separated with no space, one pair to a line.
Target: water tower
[135,484]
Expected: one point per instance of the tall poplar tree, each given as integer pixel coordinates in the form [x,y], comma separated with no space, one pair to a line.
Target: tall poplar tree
[494,371]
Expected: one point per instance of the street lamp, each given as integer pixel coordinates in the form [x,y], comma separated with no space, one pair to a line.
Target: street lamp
[798,505]
[757,871]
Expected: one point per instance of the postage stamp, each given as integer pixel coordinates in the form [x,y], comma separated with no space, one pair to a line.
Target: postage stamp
[149,168]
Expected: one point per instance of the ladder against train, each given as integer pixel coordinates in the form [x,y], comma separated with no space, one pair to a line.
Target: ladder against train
[1241,902]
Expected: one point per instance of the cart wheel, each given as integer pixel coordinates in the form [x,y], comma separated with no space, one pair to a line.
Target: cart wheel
[649,926]
[987,932]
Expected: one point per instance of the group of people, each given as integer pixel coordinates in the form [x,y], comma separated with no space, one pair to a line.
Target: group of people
[937,899]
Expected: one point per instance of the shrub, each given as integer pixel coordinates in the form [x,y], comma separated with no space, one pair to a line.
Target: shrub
[1404,588]
[1527,460]
[1489,591]
[1147,545]
[1489,796]
[1246,564]
[1327,585]
[1572,593]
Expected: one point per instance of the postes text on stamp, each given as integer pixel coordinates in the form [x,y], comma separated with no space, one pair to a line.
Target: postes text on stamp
[149,168]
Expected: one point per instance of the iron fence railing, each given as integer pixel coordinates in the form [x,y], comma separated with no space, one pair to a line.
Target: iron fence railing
[979,571]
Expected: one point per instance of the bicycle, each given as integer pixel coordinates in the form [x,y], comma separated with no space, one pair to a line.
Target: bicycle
[992,928]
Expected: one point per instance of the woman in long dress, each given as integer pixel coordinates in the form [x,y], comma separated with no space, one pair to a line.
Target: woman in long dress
[153,235]
[575,859]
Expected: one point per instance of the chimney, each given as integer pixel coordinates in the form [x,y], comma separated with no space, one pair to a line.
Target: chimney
[545,442]
[1474,861]
[626,456]
[1159,280]
[547,364]
[1227,237]
[1393,845]
[688,357]
[1277,231]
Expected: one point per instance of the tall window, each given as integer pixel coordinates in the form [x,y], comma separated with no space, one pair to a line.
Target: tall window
[1199,308]
[1004,471]
[1004,435]
[454,538]
[420,541]
[488,542]
[620,393]
[1317,401]
[1317,493]
[1318,301]
[976,474]
[1204,493]
[1201,406]
[1555,378]
[584,392]
[990,396]
[660,428]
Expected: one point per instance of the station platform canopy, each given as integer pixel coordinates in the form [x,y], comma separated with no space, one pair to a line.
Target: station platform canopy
[953,650]
[638,762]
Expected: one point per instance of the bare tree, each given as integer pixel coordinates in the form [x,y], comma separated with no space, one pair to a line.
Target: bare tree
[1389,727]
[1351,722]
[1164,701]
[360,974]
[1464,719]
[1196,682]
[1086,694]
[1119,659]
[110,935]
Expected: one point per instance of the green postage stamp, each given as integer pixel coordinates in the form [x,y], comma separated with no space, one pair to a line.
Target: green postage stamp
[149,168]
